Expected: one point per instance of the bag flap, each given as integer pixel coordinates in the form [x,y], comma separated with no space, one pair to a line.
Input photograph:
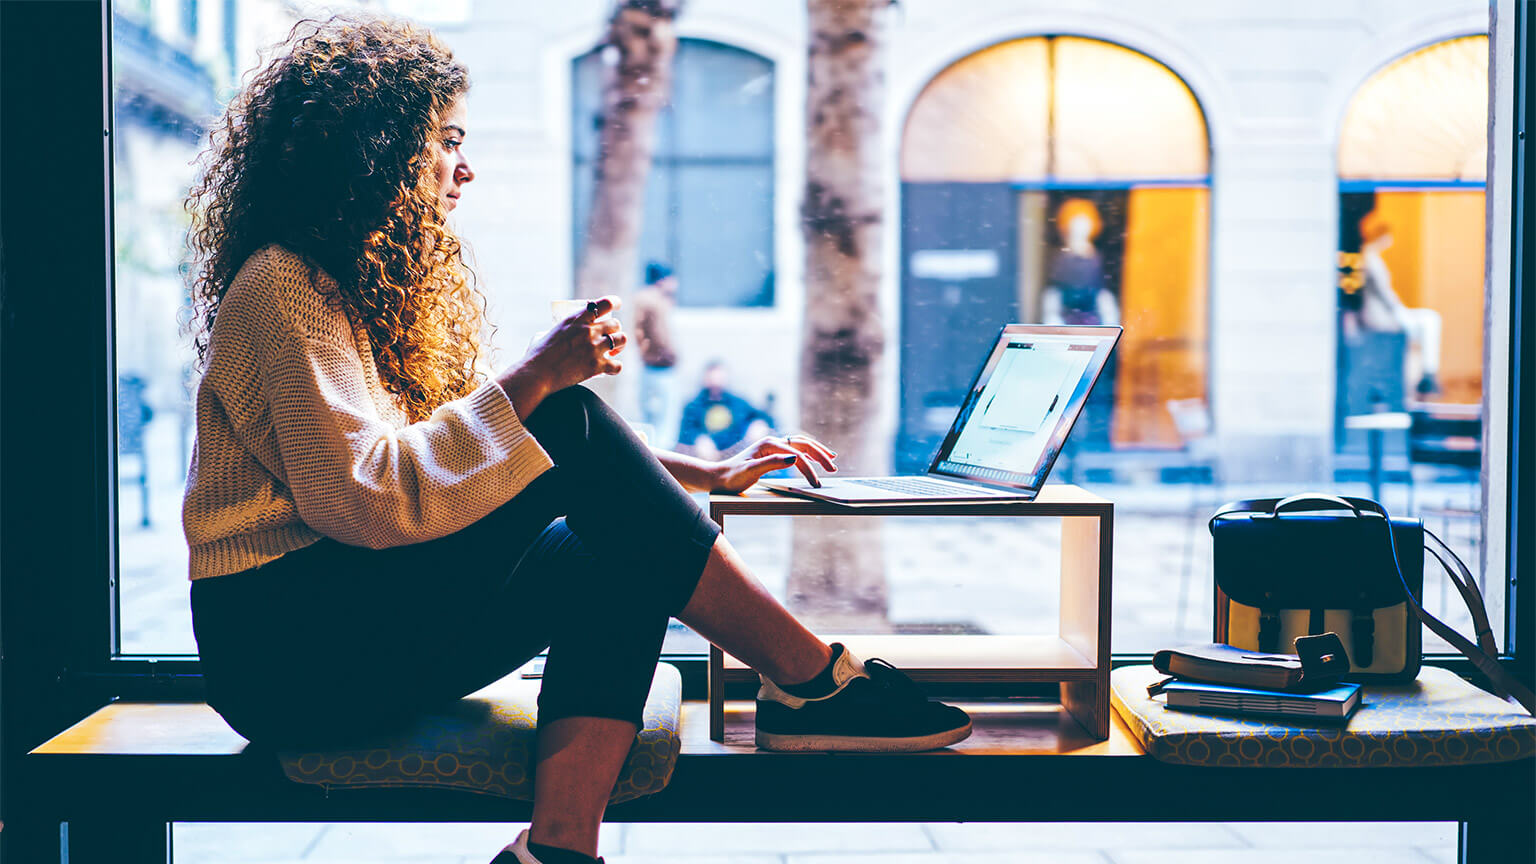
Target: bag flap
[1312,561]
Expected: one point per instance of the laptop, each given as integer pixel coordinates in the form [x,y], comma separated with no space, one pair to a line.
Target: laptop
[1009,431]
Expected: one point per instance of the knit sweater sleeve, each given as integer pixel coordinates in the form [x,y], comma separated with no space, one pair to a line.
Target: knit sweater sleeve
[359,479]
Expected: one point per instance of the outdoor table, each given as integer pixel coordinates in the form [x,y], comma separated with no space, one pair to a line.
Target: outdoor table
[1374,425]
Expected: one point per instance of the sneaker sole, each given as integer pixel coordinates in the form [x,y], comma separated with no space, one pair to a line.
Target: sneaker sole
[860,744]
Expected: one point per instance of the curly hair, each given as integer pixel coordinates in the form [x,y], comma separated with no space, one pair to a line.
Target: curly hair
[328,151]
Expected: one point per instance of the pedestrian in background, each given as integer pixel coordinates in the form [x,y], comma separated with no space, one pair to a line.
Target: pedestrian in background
[658,355]
[718,422]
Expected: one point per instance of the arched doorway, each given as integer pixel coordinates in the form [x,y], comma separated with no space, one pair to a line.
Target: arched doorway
[1413,151]
[1055,178]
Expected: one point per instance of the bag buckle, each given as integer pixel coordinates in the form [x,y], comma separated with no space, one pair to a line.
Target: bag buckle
[1323,659]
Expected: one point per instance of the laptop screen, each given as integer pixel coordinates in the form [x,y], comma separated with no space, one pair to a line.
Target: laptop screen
[1023,403]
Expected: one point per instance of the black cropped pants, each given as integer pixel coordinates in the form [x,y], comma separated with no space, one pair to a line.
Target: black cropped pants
[331,642]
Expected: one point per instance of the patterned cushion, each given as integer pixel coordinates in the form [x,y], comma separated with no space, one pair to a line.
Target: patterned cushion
[1439,719]
[485,745]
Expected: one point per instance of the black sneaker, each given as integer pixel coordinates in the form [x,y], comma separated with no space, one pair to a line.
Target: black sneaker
[873,708]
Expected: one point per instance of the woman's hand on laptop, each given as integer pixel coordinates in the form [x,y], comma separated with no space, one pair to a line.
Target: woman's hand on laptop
[738,473]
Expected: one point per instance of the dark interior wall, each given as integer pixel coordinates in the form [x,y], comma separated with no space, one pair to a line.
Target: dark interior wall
[53,379]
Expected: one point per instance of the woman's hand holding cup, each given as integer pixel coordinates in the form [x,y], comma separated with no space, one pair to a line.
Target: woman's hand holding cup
[582,345]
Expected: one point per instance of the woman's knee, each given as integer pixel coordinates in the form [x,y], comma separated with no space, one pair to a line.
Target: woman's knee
[564,415]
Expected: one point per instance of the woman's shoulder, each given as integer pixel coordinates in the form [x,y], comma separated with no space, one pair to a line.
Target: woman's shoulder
[278,281]
[275,265]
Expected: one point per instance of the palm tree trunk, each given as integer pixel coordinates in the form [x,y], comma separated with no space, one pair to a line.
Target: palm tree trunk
[838,572]
[637,61]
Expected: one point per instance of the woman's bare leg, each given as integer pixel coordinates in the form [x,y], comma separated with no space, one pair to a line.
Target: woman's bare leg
[733,610]
[579,759]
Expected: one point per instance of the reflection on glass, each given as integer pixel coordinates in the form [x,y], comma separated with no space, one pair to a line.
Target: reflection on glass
[1412,161]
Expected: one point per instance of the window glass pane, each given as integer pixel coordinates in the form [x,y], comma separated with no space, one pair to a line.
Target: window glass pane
[659,228]
[586,104]
[712,169]
[1286,215]
[1423,117]
[163,94]
[724,237]
[723,102]
[900,843]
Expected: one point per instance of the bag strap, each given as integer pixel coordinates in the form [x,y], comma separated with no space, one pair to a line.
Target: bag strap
[1484,655]
[1305,502]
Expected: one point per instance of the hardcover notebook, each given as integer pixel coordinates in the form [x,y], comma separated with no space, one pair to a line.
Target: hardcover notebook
[1223,664]
[1335,703]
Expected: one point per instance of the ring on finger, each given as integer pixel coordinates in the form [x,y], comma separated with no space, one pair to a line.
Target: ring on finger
[609,337]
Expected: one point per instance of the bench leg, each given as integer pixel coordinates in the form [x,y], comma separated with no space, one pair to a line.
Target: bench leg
[114,841]
[1497,839]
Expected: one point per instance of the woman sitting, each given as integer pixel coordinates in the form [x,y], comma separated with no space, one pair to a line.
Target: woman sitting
[378,527]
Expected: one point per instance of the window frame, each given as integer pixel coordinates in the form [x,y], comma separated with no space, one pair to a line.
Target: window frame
[59,588]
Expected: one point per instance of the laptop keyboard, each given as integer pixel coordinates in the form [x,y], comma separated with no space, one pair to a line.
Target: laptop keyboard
[908,486]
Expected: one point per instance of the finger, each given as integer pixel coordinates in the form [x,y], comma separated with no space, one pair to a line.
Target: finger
[801,436]
[607,325]
[814,449]
[598,308]
[773,462]
[810,473]
[771,445]
[609,365]
[817,454]
[779,445]
[613,343]
[754,469]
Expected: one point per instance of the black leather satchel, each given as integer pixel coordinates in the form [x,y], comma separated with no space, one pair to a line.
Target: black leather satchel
[1313,563]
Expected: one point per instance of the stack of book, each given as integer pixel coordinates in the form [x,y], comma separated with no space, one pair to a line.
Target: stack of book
[1226,680]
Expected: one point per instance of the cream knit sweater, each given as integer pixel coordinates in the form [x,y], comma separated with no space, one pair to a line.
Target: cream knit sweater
[297,439]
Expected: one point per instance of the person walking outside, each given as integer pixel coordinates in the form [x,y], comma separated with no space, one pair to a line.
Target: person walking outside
[654,304]
[377,526]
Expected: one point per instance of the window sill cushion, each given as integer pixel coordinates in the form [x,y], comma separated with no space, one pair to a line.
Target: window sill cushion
[1439,719]
[485,744]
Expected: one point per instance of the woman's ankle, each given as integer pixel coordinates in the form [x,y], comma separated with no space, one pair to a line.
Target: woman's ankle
[564,836]
[808,667]
[548,854]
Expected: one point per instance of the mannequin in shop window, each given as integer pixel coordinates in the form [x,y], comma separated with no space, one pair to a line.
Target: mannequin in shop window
[1383,311]
[1076,293]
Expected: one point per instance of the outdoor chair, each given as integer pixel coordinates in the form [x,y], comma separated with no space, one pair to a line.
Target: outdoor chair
[1445,446]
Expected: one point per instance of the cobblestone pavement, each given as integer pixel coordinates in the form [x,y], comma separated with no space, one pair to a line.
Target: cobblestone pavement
[902,843]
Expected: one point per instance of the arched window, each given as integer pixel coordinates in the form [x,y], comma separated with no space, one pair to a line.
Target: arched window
[1001,152]
[709,198]
[1413,154]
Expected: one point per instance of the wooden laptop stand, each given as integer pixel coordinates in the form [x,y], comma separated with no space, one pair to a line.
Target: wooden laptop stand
[1076,657]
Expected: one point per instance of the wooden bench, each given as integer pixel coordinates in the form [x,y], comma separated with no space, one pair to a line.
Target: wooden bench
[120,776]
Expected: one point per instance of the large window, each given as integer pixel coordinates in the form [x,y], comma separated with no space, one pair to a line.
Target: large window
[1310,121]
[1212,201]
